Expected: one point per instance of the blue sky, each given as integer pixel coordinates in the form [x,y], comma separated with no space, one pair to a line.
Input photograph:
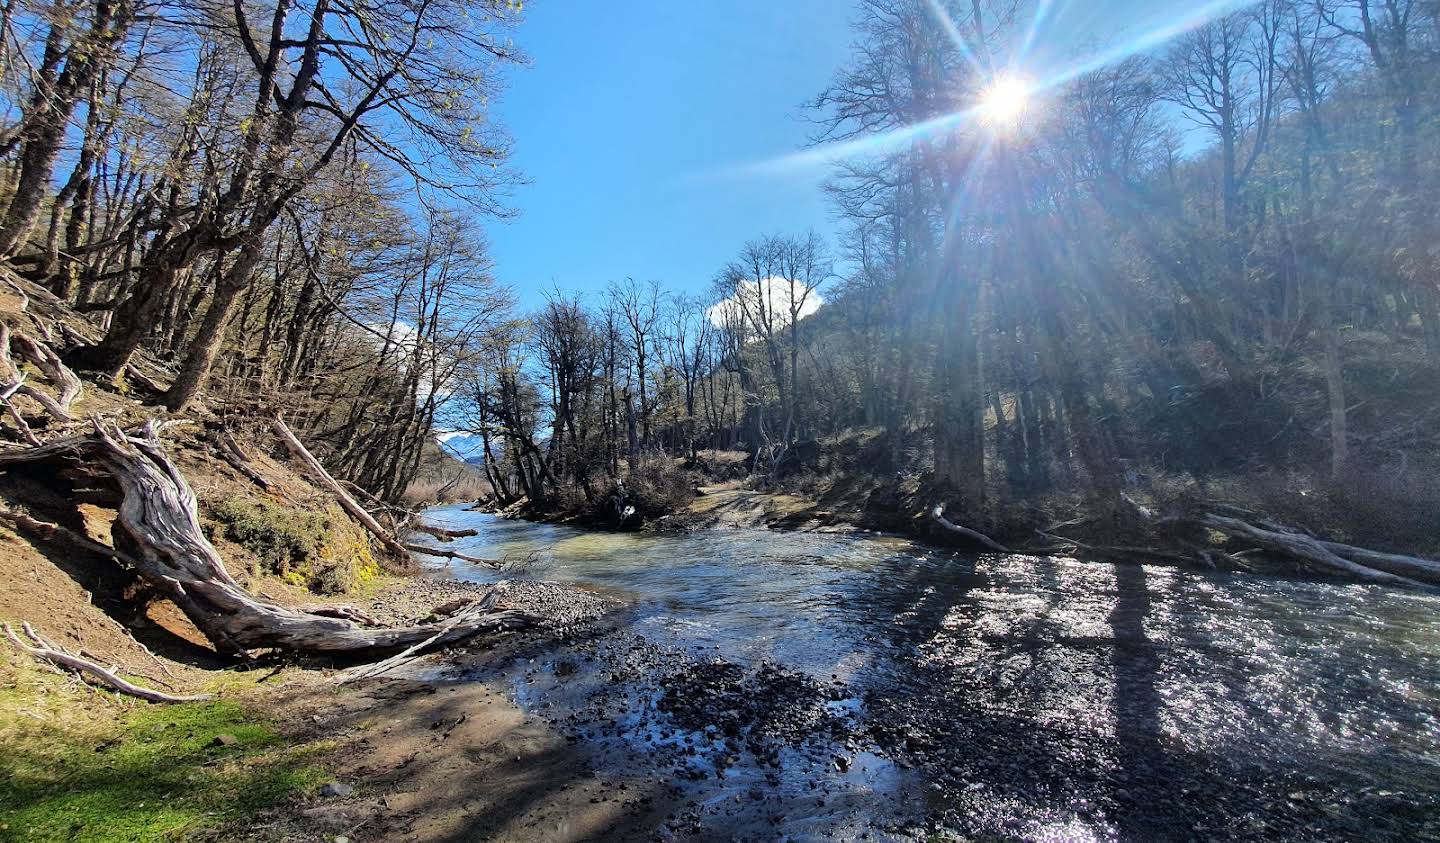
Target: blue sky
[624,118]
[633,115]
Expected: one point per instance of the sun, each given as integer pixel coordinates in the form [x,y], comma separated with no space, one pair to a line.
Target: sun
[1003,102]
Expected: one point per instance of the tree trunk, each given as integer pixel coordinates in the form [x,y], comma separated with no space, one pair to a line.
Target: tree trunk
[158,518]
[206,343]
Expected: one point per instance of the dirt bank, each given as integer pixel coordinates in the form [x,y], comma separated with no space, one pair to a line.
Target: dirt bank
[307,756]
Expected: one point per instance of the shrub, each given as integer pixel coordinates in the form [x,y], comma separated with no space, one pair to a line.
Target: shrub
[659,486]
[320,551]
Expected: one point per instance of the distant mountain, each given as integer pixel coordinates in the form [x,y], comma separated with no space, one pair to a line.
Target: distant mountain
[465,446]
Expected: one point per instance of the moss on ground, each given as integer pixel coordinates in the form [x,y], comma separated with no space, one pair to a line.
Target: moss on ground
[83,765]
[318,550]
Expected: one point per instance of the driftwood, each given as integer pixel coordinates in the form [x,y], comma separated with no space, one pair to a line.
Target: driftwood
[479,608]
[349,613]
[450,554]
[937,514]
[1324,555]
[45,651]
[347,502]
[1328,557]
[159,520]
[442,533]
[358,512]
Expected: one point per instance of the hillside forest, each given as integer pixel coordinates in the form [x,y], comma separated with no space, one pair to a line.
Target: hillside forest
[1207,272]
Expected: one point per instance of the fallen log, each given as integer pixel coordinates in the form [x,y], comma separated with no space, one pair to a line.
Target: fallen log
[937,514]
[46,360]
[442,533]
[50,532]
[235,456]
[347,502]
[159,522]
[47,652]
[1414,567]
[1306,549]
[450,554]
[479,607]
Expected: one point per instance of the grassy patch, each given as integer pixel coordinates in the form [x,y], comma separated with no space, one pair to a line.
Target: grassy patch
[320,551]
[82,766]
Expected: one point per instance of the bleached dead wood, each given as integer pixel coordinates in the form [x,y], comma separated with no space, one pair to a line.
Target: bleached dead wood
[51,531]
[937,514]
[441,533]
[479,607]
[450,554]
[235,456]
[44,358]
[1425,570]
[47,652]
[1307,549]
[159,520]
[347,502]
[13,381]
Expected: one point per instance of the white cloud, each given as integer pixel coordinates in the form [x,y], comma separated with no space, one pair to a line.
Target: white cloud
[775,293]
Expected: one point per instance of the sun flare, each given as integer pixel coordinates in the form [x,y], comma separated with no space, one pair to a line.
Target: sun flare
[1004,101]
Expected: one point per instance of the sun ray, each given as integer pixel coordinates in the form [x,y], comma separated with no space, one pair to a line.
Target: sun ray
[957,37]
[1150,40]
[1042,11]
[824,154]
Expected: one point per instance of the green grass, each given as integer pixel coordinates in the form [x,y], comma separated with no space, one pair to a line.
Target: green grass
[80,767]
[321,551]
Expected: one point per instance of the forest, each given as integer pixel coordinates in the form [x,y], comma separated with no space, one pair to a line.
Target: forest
[1211,261]
[1175,274]
[1080,481]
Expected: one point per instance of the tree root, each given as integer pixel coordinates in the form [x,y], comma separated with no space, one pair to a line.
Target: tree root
[159,520]
[47,652]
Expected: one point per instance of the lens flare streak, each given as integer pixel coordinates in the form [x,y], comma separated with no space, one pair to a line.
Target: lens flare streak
[897,138]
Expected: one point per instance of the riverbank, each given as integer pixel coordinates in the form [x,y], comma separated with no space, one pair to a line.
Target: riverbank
[1265,521]
[822,686]
[281,749]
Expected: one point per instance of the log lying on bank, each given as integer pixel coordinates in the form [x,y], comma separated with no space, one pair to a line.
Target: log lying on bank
[937,514]
[358,512]
[323,477]
[450,554]
[43,650]
[159,526]
[1332,557]
[1277,541]
[441,533]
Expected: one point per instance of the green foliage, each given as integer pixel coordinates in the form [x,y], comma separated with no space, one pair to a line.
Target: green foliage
[320,551]
[97,773]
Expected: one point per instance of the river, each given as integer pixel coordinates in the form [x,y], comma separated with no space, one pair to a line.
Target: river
[773,685]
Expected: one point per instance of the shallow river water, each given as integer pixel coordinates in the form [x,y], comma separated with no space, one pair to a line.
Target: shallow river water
[770,684]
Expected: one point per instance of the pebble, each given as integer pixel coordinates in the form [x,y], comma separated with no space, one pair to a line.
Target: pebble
[336,789]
